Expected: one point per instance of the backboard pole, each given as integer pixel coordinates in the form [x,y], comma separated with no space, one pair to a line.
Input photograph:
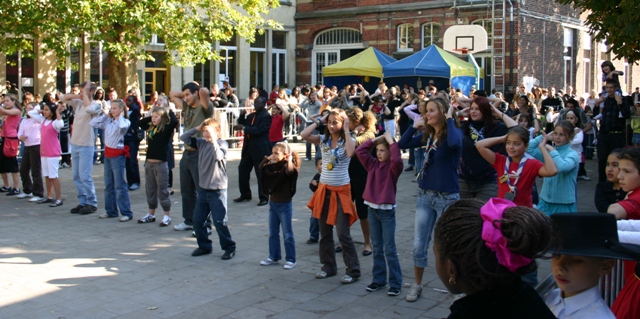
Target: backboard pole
[472,60]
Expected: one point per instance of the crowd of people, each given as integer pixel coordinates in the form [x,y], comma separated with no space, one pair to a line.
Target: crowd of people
[475,160]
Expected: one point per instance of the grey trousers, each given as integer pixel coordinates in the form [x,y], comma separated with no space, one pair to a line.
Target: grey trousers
[157,185]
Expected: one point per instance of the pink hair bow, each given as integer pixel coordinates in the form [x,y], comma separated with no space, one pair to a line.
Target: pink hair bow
[492,234]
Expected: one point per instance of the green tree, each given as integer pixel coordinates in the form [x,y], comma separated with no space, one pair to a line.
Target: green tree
[617,22]
[188,27]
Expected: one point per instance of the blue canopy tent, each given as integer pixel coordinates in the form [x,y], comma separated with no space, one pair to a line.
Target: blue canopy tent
[363,68]
[431,63]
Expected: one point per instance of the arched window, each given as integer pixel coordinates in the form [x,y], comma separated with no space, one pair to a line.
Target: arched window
[487,24]
[338,37]
[329,47]
[430,34]
[405,37]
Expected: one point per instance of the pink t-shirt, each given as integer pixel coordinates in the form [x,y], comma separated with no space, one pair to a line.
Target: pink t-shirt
[10,127]
[525,183]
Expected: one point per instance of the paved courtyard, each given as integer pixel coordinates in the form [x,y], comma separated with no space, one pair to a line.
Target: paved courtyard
[57,265]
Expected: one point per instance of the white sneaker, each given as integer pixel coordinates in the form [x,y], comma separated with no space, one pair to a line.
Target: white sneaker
[414,292]
[289,265]
[183,226]
[268,262]
[35,199]
[24,195]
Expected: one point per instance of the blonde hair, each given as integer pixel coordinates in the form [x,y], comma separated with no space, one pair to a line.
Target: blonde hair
[213,123]
[443,106]
[121,105]
[164,118]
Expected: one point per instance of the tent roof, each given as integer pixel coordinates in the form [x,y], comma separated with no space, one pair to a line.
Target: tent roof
[366,63]
[431,61]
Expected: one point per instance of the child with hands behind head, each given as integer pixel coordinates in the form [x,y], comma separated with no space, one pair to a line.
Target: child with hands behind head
[29,134]
[482,250]
[517,171]
[212,188]
[332,203]
[558,194]
[279,173]
[380,195]
[51,123]
[116,194]
[160,126]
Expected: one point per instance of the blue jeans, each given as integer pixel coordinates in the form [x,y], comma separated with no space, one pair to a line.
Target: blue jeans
[82,158]
[212,202]
[314,228]
[281,214]
[116,195]
[429,207]
[382,223]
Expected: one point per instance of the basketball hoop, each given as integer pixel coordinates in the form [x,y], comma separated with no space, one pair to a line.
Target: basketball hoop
[462,50]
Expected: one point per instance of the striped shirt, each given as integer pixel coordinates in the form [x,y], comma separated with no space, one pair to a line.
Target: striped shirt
[338,175]
[114,129]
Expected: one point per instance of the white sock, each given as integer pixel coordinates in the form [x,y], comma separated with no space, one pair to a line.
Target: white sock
[166,219]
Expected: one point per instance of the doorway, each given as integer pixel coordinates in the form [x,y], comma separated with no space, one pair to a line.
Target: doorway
[155,79]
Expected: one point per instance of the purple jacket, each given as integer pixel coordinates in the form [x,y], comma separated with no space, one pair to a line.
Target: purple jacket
[383,176]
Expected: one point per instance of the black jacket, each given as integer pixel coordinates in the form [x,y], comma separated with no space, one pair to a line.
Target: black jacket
[256,132]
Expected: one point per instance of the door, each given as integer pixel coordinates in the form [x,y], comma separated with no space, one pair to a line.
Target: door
[155,79]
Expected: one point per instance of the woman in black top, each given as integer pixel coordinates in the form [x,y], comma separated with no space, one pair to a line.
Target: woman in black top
[477,176]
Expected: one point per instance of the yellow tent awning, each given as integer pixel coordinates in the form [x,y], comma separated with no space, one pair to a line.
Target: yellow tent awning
[366,63]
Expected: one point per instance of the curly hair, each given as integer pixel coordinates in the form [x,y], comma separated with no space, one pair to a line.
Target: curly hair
[458,234]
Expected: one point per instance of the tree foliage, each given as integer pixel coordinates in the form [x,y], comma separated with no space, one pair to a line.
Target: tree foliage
[188,27]
[616,21]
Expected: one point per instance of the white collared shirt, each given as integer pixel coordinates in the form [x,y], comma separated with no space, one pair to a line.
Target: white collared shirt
[588,304]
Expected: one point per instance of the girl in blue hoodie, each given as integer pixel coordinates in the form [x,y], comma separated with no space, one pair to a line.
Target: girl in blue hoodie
[558,193]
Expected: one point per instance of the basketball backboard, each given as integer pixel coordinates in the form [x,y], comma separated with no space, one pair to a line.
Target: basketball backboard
[472,38]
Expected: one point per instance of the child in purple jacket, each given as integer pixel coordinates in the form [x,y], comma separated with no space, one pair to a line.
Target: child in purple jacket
[380,195]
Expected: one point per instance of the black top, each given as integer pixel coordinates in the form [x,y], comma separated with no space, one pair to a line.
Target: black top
[473,167]
[256,132]
[606,195]
[158,142]
[518,302]
[392,104]
[223,99]
[134,117]
[317,179]
[614,116]
[554,102]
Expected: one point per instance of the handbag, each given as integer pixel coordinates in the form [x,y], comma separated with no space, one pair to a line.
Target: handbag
[11,147]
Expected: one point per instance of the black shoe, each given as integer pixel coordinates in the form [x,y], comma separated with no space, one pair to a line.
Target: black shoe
[4,189]
[366,253]
[228,254]
[242,199]
[338,249]
[13,191]
[76,210]
[56,203]
[374,287]
[88,209]
[393,292]
[408,169]
[199,252]
[312,241]
[263,202]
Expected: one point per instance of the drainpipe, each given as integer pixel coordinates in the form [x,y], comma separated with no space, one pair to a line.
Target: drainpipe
[511,26]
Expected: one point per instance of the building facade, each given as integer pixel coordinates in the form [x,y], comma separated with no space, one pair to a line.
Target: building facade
[537,42]
[268,61]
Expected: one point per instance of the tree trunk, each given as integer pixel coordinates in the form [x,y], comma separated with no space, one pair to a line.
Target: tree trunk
[123,75]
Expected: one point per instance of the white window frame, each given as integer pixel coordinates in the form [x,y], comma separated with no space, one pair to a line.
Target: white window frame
[399,37]
[430,25]
[345,38]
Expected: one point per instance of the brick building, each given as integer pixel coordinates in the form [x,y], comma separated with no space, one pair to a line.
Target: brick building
[535,41]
